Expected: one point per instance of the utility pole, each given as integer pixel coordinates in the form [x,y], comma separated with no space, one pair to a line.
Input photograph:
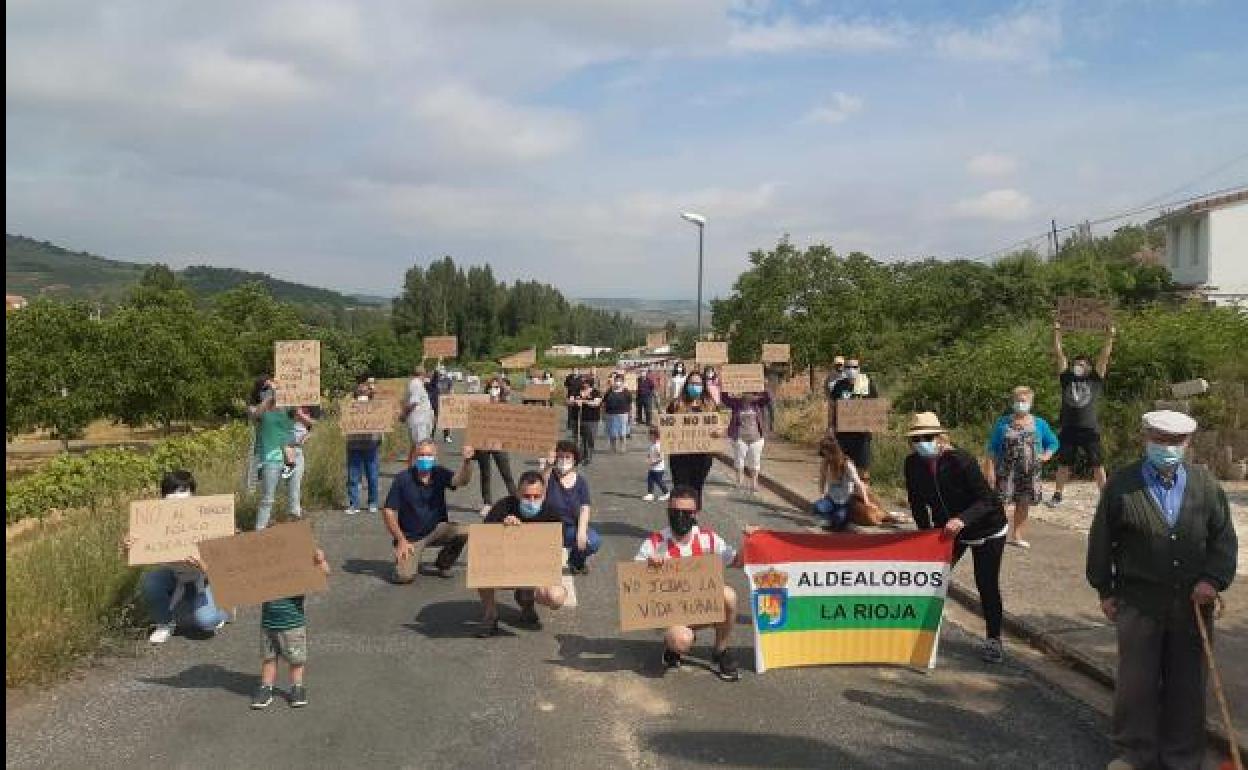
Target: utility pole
[1056,245]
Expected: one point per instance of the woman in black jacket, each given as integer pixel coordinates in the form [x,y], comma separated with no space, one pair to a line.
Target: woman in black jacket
[947,489]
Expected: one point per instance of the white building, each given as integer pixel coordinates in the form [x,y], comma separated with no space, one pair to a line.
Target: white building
[574,351]
[1207,247]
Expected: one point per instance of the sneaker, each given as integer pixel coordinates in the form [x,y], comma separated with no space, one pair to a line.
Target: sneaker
[161,633]
[288,471]
[649,497]
[298,696]
[671,659]
[992,651]
[352,511]
[529,616]
[262,696]
[1120,764]
[220,625]
[447,439]
[579,570]
[485,510]
[372,509]
[725,666]
[666,496]
[1018,543]
[1054,500]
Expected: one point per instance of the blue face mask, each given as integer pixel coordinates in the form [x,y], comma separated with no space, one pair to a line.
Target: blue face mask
[694,391]
[529,508]
[1163,456]
[425,464]
[1022,407]
[927,448]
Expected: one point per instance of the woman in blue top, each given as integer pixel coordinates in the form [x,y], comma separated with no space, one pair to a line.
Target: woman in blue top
[568,495]
[1020,445]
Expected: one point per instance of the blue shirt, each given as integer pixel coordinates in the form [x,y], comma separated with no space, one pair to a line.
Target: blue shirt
[420,507]
[1168,500]
[567,502]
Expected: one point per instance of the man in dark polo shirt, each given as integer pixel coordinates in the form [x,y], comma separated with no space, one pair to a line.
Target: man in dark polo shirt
[416,516]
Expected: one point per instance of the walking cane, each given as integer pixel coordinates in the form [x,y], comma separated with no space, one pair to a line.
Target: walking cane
[1232,740]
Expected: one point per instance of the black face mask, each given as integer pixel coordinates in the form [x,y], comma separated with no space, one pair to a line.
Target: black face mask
[681,521]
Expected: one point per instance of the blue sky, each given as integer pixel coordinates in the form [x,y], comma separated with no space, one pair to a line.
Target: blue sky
[337,142]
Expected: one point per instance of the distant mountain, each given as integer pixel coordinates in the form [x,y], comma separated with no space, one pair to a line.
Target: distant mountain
[38,267]
[651,313]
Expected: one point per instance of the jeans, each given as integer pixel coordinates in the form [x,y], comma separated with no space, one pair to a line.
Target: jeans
[987,559]
[195,610]
[270,475]
[577,557]
[362,462]
[503,461]
[655,479]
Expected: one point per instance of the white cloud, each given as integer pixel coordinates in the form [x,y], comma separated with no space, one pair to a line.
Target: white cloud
[786,35]
[990,164]
[1004,205]
[214,79]
[475,126]
[1030,37]
[837,110]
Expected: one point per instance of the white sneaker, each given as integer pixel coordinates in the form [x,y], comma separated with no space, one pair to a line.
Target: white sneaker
[666,496]
[485,510]
[447,439]
[649,497]
[162,633]
[1019,543]
[352,511]
[372,509]
[220,625]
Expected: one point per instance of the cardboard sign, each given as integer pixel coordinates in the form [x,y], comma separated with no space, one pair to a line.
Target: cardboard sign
[527,556]
[1084,314]
[680,592]
[742,378]
[453,409]
[257,567]
[690,433]
[520,360]
[167,531]
[712,353]
[795,388]
[1189,388]
[297,372]
[537,392]
[656,339]
[775,353]
[862,415]
[530,430]
[440,347]
[377,415]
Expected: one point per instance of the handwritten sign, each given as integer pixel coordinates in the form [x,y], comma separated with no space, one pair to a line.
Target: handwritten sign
[297,372]
[775,353]
[530,430]
[527,556]
[440,347]
[453,414]
[1084,314]
[257,567]
[862,415]
[680,592]
[1189,388]
[742,378]
[712,353]
[537,392]
[166,531]
[690,433]
[520,360]
[376,415]
[656,339]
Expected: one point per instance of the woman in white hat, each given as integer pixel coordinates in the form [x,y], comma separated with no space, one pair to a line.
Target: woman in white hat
[947,489]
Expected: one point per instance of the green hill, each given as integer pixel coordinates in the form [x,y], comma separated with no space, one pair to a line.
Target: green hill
[38,267]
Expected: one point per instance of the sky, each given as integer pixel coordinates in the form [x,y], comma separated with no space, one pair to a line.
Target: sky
[339,142]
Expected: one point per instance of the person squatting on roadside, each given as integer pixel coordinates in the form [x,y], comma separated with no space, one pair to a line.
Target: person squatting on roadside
[416,516]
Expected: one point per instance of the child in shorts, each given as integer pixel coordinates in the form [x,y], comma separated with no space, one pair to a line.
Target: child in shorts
[654,476]
[286,636]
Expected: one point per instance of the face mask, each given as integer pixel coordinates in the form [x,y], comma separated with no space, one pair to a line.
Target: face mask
[181,493]
[495,391]
[564,467]
[361,397]
[618,386]
[927,448]
[851,373]
[1079,370]
[530,508]
[425,464]
[681,522]
[1022,407]
[1164,456]
[694,391]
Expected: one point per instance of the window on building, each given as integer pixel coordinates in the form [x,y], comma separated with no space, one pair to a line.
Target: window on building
[1173,244]
[1196,223]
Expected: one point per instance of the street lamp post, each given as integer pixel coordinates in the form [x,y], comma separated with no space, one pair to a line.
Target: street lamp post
[700,221]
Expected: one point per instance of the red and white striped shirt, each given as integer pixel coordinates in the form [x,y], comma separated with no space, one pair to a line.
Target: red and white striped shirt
[700,541]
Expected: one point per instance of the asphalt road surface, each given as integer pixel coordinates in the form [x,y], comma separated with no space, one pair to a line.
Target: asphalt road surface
[396,678]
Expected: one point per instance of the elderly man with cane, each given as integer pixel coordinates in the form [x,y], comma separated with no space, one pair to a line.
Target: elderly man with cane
[1161,548]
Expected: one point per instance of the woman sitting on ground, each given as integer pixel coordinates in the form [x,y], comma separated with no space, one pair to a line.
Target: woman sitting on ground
[846,497]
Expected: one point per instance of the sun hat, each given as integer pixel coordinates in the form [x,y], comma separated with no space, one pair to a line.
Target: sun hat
[924,424]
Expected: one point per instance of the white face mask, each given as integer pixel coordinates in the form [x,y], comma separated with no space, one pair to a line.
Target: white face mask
[564,467]
[181,493]
[1079,370]
[851,372]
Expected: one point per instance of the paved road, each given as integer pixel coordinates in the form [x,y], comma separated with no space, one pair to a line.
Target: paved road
[396,679]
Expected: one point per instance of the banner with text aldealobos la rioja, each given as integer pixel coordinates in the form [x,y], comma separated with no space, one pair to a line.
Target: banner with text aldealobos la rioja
[847,598]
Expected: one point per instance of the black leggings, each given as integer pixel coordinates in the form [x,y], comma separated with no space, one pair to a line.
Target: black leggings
[691,470]
[588,429]
[987,559]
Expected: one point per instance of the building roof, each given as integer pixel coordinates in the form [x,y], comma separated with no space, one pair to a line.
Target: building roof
[1201,206]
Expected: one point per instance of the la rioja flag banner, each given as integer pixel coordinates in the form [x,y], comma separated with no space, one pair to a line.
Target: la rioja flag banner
[847,598]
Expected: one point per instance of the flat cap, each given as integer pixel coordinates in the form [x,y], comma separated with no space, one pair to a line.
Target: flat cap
[1169,422]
